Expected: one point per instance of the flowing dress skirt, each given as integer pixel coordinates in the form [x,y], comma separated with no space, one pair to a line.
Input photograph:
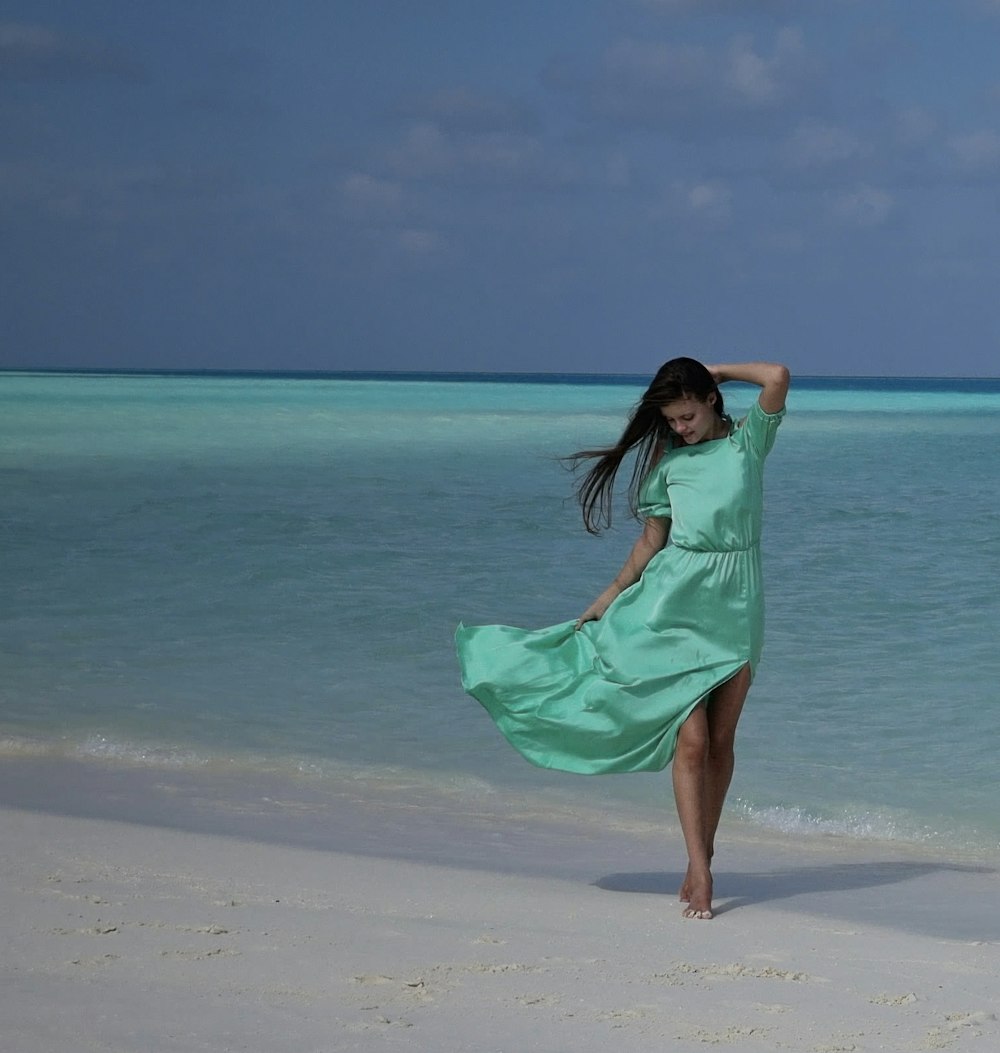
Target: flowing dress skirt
[612,696]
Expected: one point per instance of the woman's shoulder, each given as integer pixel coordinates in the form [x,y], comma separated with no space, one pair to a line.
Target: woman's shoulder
[757,428]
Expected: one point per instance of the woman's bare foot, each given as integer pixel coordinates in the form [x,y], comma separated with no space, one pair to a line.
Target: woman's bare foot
[699,898]
[685,893]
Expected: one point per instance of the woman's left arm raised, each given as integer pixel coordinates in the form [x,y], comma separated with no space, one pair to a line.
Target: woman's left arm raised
[771,377]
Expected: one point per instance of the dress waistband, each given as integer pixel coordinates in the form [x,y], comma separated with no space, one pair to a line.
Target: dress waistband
[716,551]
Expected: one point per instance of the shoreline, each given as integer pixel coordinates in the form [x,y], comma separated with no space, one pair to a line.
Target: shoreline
[124,936]
[503,834]
[59,776]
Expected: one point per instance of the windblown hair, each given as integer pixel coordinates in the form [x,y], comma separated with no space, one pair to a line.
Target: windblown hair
[647,433]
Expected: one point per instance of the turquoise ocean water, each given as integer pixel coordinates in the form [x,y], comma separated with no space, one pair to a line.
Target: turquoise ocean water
[264,573]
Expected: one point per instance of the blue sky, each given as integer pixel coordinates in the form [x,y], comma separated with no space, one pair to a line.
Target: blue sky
[590,186]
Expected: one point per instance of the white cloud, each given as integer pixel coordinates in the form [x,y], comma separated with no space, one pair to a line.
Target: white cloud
[915,126]
[420,242]
[750,76]
[493,159]
[817,145]
[647,63]
[761,81]
[502,155]
[657,83]
[711,200]
[977,151]
[865,206]
[708,202]
[37,53]
[366,195]
[424,151]
[464,110]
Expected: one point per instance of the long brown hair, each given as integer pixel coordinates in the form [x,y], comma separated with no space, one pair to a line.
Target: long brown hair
[647,432]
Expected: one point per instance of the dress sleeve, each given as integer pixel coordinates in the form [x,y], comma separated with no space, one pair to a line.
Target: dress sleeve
[758,429]
[654,502]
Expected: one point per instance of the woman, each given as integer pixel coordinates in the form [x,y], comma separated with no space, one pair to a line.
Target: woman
[658,666]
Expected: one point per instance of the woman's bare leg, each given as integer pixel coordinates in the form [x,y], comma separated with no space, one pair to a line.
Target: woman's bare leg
[690,794]
[703,770]
[724,708]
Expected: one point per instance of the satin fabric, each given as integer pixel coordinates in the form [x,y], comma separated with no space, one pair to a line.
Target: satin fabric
[612,696]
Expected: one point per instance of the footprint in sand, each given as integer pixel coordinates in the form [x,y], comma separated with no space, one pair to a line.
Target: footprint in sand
[958,1026]
[100,929]
[684,971]
[729,1036]
[382,1023]
[887,999]
[372,978]
[197,956]
[537,1000]
[101,959]
[509,967]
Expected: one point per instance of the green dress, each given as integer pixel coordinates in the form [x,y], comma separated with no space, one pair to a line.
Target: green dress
[612,696]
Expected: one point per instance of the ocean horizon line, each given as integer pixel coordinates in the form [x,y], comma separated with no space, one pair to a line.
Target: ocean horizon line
[462,376]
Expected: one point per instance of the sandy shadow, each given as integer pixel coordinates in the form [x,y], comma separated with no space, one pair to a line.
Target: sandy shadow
[940,902]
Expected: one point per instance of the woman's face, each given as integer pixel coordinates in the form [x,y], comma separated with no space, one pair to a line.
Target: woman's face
[692,419]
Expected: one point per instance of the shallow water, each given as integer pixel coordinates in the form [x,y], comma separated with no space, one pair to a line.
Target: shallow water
[264,574]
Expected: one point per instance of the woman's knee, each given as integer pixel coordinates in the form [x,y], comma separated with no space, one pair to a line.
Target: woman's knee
[722,752]
[693,741]
[724,709]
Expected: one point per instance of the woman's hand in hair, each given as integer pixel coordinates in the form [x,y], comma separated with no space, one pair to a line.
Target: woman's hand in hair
[771,376]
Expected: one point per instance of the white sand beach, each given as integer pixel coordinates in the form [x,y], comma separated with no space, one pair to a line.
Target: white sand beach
[121,936]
